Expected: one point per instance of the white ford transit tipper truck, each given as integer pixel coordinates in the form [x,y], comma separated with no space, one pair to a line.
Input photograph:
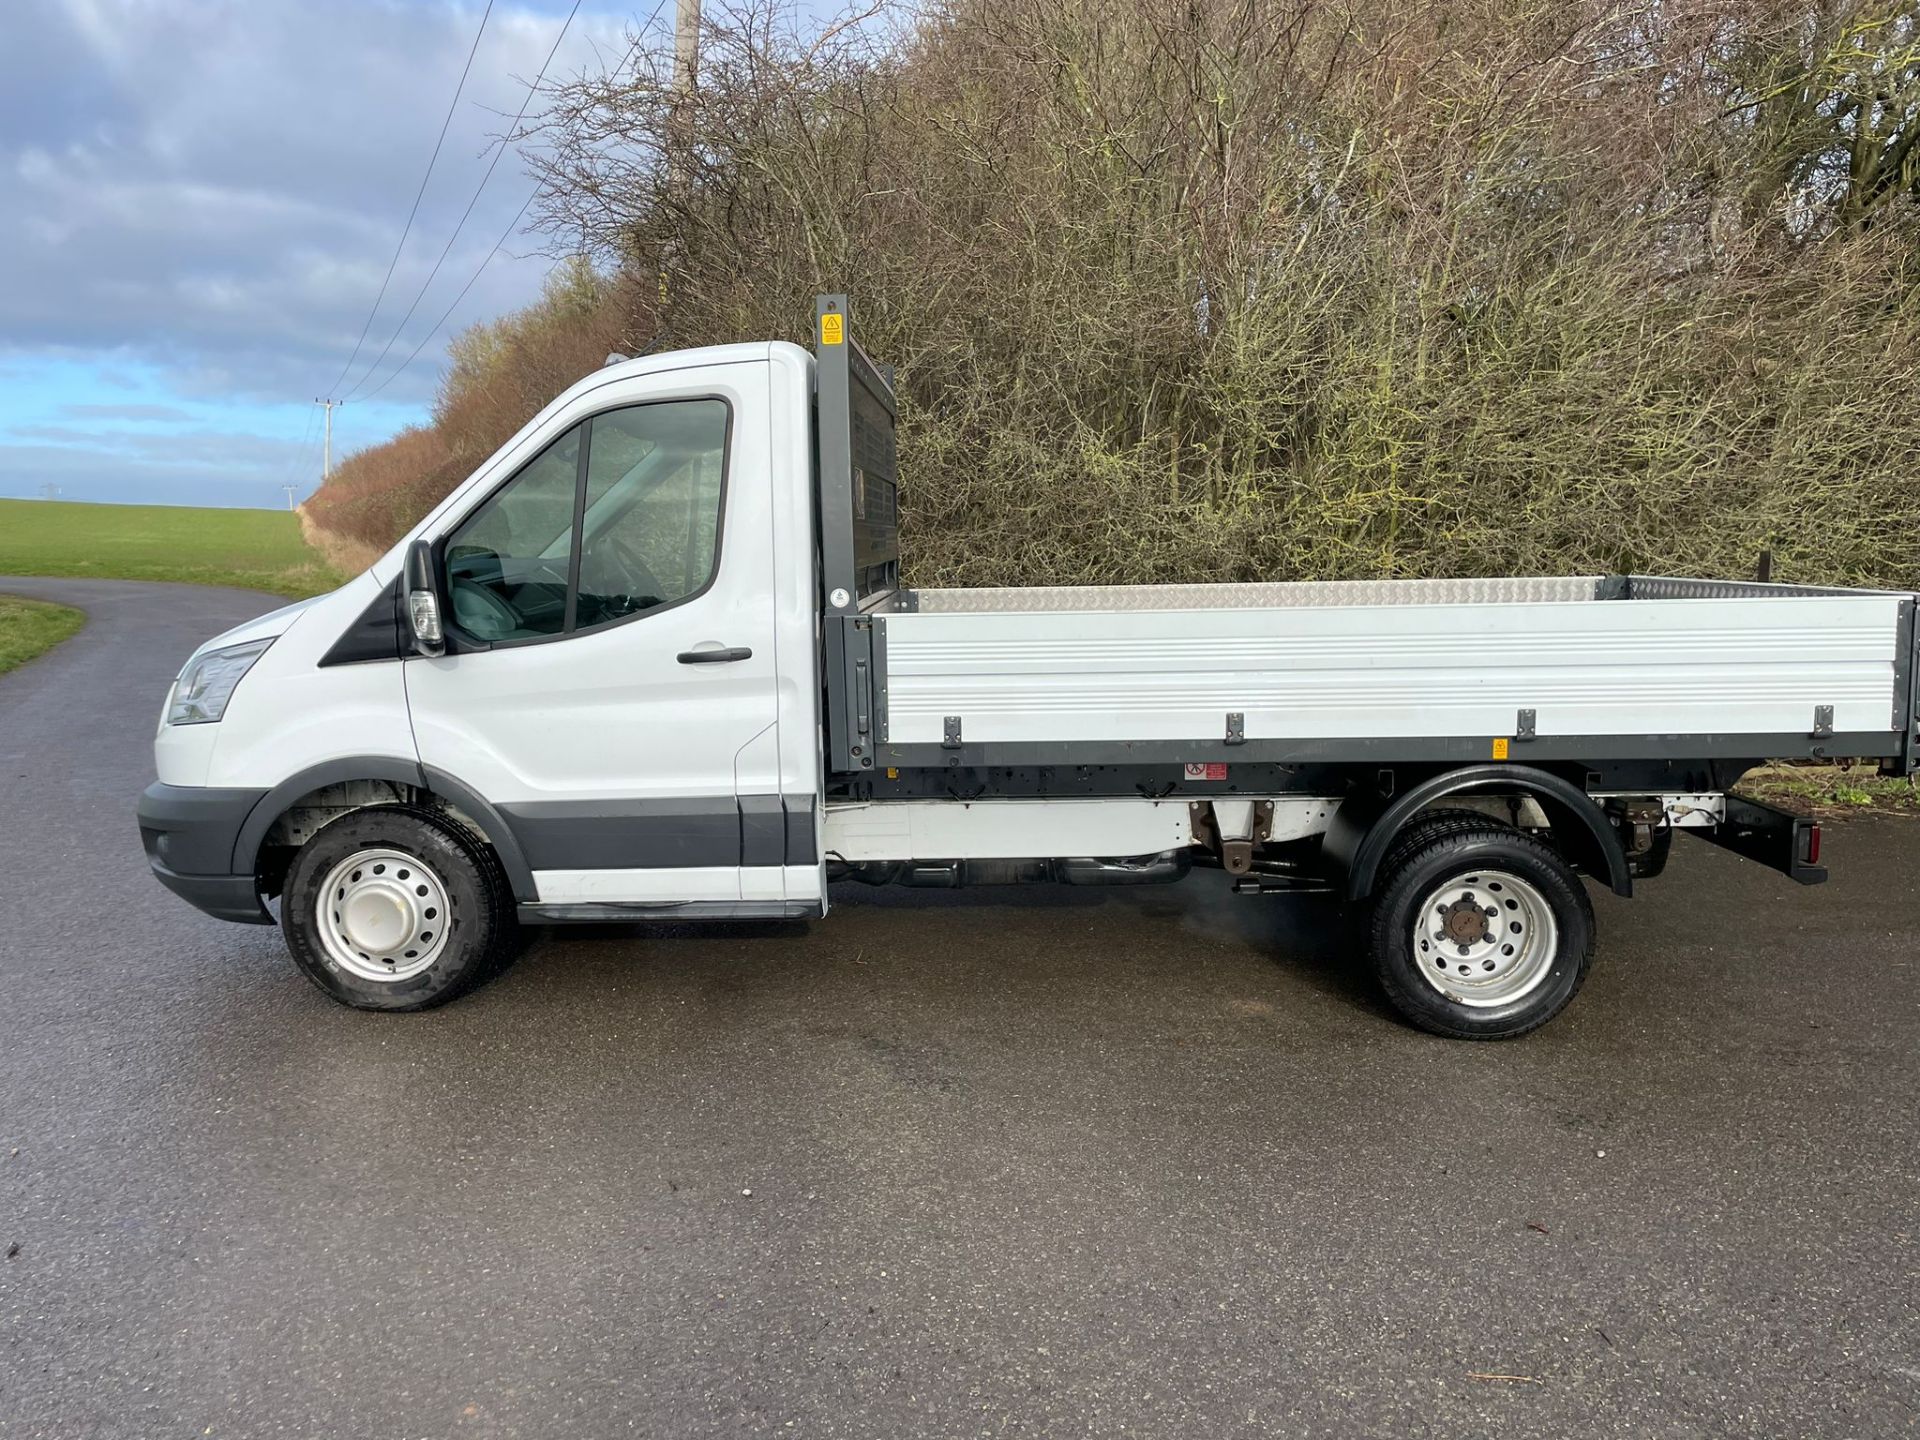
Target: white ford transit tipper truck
[653,661]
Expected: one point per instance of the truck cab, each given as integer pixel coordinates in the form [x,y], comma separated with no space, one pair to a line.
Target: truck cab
[622,581]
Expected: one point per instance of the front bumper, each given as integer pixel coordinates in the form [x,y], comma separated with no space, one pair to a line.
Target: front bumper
[190,833]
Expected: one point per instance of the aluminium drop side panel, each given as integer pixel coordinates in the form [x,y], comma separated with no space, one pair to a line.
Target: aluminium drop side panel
[1669,668]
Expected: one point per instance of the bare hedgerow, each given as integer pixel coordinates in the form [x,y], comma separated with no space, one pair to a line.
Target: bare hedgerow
[1192,289]
[499,376]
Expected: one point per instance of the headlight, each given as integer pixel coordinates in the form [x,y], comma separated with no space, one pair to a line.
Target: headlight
[201,693]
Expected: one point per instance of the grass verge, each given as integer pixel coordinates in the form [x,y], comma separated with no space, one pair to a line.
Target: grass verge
[1832,792]
[252,549]
[32,627]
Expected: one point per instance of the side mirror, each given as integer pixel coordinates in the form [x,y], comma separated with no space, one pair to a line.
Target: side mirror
[423,601]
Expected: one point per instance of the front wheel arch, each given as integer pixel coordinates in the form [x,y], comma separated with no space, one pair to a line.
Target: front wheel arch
[250,848]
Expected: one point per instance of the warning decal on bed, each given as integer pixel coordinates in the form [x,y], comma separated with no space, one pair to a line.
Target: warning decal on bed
[1213,770]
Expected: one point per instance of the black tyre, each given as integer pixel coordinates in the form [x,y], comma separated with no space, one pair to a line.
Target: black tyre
[1478,931]
[392,908]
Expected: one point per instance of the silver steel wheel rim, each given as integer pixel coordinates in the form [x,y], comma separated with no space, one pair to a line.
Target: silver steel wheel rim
[1485,939]
[383,915]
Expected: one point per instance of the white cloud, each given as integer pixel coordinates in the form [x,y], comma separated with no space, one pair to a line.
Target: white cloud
[218,186]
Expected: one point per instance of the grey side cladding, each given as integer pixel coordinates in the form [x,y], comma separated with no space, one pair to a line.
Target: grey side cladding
[801,849]
[763,830]
[664,834]
[679,833]
[557,835]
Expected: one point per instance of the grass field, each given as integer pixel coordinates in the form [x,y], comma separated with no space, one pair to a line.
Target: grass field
[253,549]
[30,627]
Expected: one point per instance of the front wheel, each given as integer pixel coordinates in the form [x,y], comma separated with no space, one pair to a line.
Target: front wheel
[1479,932]
[392,908]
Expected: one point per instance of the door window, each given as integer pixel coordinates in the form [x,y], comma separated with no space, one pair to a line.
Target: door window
[652,528]
[618,517]
[508,563]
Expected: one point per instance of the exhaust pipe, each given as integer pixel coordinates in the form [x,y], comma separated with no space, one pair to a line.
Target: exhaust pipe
[1161,869]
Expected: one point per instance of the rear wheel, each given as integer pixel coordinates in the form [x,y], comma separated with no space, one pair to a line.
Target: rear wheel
[392,908]
[1479,931]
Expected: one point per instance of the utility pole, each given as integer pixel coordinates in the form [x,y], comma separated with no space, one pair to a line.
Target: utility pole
[289,490]
[686,47]
[326,445]
[686,72]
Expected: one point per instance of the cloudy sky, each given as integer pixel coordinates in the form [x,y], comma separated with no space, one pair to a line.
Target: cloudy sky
[198,200]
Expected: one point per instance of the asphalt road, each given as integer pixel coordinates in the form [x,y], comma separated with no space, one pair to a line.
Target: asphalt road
[1136,1163]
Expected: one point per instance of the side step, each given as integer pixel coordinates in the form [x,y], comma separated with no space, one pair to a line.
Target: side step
[623,913]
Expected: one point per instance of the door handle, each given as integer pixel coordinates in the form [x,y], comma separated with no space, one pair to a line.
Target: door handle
[718,656]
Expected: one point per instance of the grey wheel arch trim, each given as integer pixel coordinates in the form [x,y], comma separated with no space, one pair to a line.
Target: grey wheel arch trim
[1365,826]
[467,800]
[277,801]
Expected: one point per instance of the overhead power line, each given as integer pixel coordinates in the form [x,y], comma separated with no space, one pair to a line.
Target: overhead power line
[296,462]
[414,354]
[418,194]
[467,214]
[505,235]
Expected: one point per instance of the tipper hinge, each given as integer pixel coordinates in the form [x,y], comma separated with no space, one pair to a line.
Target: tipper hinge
[950,738]
[1523,725]
[1236,728]
[1822,721]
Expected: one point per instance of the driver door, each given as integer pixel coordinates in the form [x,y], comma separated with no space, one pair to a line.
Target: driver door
[609,685]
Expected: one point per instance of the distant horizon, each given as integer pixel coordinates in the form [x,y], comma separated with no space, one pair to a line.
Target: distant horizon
[156,504]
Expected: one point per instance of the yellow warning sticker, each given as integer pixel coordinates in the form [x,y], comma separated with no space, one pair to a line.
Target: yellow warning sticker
[832,328]
[1500,748]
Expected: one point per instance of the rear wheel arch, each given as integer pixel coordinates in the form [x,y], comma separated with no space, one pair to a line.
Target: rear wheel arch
[1365,827]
